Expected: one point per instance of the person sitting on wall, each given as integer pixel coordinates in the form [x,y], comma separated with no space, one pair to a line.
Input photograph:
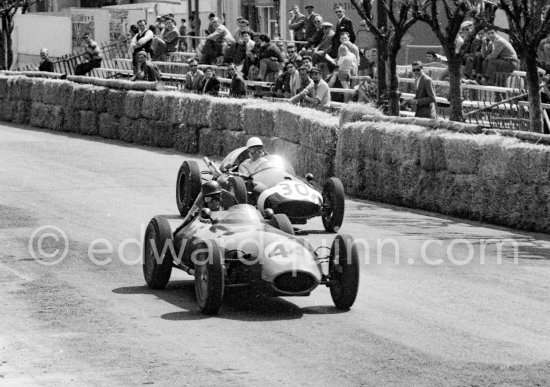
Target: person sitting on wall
[316,94]
[237,89]
[146,70]
[170,35]
[46,64]
[194,77]
[217,42]
[502,57]
[141,41]
[270,58]
[92,56]
[210,84]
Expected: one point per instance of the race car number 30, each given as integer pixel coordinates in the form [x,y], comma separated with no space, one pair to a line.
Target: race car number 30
[297,189]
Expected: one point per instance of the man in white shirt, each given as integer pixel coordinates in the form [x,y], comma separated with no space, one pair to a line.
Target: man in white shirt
[255,152]
[316,94]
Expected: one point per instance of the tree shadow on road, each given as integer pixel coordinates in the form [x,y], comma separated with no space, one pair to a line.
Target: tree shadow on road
[237,305]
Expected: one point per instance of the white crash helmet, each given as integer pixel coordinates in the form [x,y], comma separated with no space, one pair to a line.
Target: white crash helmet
[254,141]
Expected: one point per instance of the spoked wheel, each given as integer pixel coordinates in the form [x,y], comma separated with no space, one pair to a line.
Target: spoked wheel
[209,278]
[333,204]
[282,222]
[237,188]
[188,186]
[343,271]
[156,267]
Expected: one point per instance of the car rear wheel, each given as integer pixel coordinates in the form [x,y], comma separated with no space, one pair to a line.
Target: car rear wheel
[237,187]
[343,271]
[281,222]
[157,268]
[209,278]
[188,186]
[333,204]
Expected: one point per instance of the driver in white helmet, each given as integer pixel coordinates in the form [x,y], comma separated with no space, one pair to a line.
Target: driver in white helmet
[255,152]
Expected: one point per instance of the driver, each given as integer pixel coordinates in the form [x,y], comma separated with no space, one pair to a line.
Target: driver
[212,195]
[255,152]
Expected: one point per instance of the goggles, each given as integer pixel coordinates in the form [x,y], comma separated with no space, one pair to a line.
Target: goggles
[214,198]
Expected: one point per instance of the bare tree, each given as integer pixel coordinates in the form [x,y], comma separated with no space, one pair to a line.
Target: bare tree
[454,12]
[529,23]
[8,9]
[401,17]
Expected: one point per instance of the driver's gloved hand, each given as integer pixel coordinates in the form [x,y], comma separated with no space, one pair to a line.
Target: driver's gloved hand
[204,220]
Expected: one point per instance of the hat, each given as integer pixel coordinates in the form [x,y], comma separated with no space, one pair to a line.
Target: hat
[314,70]
[326,24]
[466,24]
[309,6]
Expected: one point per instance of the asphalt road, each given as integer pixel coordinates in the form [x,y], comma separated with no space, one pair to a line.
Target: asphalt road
[442,301]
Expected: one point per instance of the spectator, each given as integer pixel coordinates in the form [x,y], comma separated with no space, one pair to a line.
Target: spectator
[211,28]
[309,25]
[237,89]
[92,56]
[281,47]
[345,40]
[238,52]
[291,15]
[170,36]
[297,24]
[159,23]
[46,63]
[317,94]
[317,37]
[292,55]
[146,70]
[344,25]
[473,58]
[433,60]
[324,47]
[183,32]
[134,30]
[366,91]
[217,42]
[194,28]
[463,34]
[347,63]
[294,81]
[424,100]
[210,84]
[158,46]
[501,59]
[141,41]
[194,77]
[307,62]
[305,80]
[251,62]
[244,25]
[269,57]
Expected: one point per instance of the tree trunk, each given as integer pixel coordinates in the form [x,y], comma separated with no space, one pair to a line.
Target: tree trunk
[455,91]
[533,90]
[6,42]
[393,92]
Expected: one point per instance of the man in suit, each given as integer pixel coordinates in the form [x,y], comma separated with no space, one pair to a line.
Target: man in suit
[210,84]
[344,25]
[297,24]
[194,77]
[310,27]
[238,87]
[325,44]
[46,64]
[424,99]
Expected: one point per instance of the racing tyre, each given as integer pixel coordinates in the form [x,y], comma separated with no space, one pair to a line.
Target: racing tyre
[333,203]
[209,278]
[237,187]
[188,186]
[158,238]
[282,222]
[343,270]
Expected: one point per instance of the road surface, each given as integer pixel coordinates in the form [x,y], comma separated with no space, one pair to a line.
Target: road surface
[442,301]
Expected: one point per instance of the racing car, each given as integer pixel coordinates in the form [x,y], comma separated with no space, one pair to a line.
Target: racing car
[273,185]
[240,247]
